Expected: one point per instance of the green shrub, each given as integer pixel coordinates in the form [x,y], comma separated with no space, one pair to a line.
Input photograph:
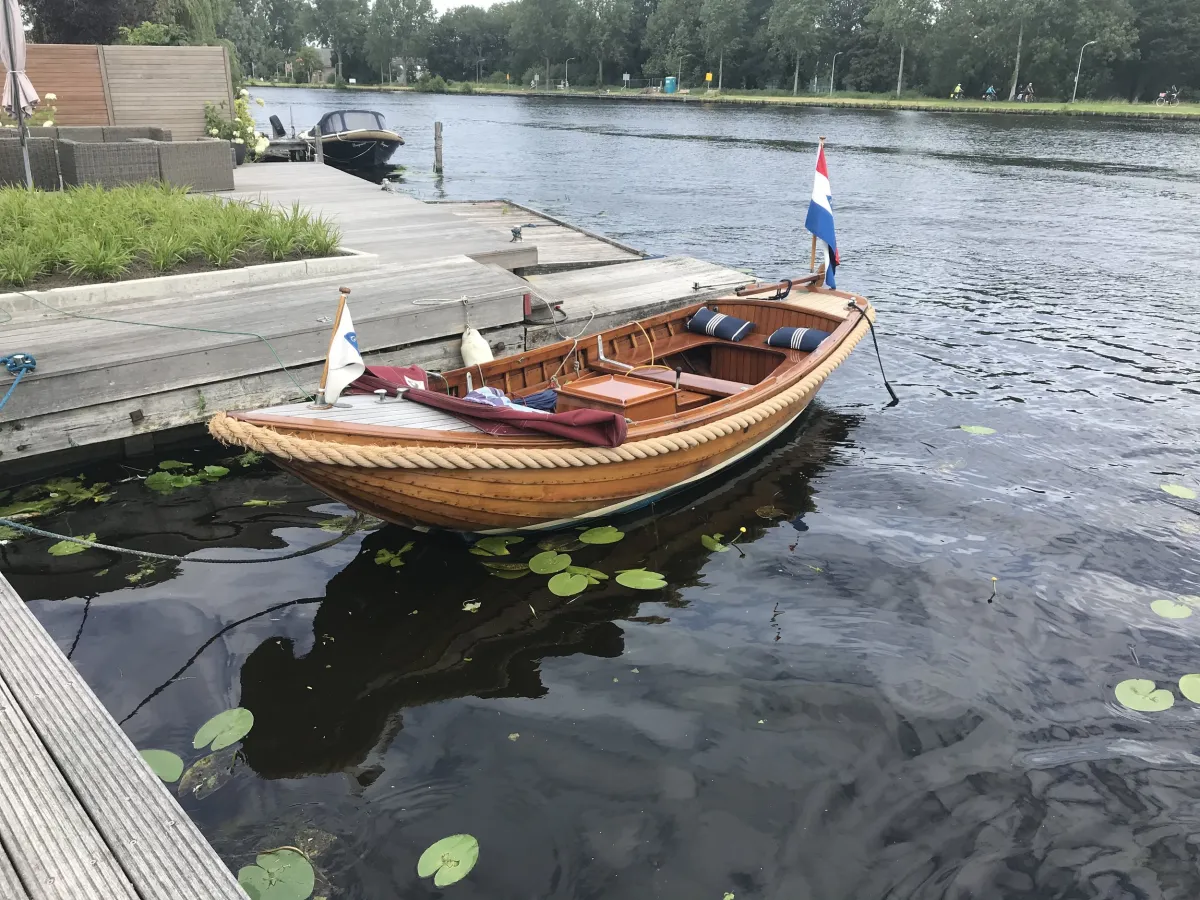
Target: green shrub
[435,85]
[19,264]
[101,256]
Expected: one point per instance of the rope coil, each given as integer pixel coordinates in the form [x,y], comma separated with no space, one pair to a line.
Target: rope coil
[18,365]
[284,446]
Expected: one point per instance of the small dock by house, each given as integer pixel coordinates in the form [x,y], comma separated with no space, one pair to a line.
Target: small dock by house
[122,366]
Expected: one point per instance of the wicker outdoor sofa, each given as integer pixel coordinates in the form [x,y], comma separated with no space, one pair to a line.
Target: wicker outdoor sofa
[110,155]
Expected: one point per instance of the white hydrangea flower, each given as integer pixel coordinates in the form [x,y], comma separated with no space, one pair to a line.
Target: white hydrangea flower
[52,96]
[262,145]
[214,132]
[260,101]
[244,93]
[238,141]
[48,124]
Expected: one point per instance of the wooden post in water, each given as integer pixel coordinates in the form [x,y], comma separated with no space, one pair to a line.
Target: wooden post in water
[812,254]
[437,147]
[321,402]
[318,146]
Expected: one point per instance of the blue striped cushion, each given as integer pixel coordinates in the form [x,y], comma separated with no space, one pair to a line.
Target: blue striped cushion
[728,328]
[806,339]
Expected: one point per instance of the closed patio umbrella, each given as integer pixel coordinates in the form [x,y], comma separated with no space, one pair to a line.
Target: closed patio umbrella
[19,96]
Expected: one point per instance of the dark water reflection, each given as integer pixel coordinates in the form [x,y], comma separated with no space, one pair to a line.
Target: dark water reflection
[839,713]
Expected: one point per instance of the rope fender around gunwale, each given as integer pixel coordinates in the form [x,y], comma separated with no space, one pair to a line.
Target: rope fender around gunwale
[228,430]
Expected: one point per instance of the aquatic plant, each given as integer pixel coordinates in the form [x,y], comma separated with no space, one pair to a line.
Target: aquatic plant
[281,874]
[70,548]
[1140,694]
[449,860]
[1178,490]
[173,475]
[166,765]
[641,579]
[224,729]
[393,558]
[604,534]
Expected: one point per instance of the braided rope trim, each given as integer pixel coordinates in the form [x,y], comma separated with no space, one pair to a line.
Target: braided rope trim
[267,440]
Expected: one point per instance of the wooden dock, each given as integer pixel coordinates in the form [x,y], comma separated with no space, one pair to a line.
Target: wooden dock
[119,373]
[82,817]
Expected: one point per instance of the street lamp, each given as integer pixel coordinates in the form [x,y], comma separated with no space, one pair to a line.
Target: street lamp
[679,73]
[567,74]
[833,69]
[1078,67]
[479,70]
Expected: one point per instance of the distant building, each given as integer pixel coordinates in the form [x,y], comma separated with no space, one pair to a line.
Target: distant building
[327,68]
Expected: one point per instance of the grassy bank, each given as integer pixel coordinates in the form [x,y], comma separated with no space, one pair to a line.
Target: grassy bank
[88,235]
[1114,109]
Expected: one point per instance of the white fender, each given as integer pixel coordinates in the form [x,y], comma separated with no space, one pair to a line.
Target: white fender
[475,349]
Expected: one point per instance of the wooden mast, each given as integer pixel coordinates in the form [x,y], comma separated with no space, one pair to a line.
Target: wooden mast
[812,254]
[321,402]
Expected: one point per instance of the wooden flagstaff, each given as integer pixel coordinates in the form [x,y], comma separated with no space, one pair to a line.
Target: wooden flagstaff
[812,254]
[321,402]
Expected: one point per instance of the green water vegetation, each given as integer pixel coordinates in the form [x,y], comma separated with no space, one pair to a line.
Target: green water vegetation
[92,234]
[284,873]
[495,546]
[1142,695]
[166,765]
[641,579]
[449,860]
[1179,608]
[977,429]
[392,558]
[173,475]
[209,774]
[69,547]
[55,495]
[1179,490]
[224,729]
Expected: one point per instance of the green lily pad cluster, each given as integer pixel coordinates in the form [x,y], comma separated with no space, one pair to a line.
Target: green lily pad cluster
[1179,608]
[209,773]
[1144,695]
[565,578]
[173,475]
[392,558]
[55,495]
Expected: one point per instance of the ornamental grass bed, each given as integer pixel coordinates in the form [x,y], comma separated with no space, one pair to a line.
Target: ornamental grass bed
[89,235]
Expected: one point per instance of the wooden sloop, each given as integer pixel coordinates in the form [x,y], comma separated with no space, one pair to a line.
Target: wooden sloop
[89,775]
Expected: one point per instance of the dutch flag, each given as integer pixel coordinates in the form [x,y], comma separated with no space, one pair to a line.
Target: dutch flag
[820,217]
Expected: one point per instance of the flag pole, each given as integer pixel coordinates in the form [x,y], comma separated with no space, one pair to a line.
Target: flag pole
[812,254]
[321,402]
[18,110]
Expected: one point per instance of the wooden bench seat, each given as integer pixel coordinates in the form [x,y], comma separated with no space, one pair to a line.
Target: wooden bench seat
[700,384]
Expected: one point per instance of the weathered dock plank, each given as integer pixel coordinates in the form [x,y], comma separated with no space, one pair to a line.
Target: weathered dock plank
[139,843]
[559,244]
[599,298]
[396,226]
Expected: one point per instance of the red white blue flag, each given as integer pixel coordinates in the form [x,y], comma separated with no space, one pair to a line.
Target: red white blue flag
[820,217]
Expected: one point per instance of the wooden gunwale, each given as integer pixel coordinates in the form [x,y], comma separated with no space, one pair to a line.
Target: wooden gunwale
[784,376]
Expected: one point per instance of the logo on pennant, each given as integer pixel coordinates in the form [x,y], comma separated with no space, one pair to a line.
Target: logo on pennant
[352,338]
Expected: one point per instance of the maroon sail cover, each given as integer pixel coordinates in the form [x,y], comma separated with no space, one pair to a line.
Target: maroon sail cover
[587,426]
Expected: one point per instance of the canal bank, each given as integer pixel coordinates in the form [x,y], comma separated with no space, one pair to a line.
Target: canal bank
[1084,108]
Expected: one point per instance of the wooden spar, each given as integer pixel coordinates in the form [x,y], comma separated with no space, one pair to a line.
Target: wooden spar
[343,292]
[812,254]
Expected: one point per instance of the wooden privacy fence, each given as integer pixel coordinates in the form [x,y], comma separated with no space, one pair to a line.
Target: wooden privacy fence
[163,86]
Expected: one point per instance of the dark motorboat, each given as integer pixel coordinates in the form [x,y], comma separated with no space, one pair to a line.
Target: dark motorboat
[355,138]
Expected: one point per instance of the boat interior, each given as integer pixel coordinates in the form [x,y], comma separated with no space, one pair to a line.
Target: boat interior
[655,368]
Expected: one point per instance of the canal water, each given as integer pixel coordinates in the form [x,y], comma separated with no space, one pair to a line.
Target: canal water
[898,684]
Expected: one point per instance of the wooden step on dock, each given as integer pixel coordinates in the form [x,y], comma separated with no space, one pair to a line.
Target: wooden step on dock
[82,817]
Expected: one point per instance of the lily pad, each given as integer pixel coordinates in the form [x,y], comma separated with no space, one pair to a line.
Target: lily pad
[472,606]
[713,542]
[1189,686]
[393,558]
[164,482]
[548,562]
[216,471]
[165,764]
[508,566]
[70,548]
[594,576]
[770,512]
[449,860]
[603,534]
[561,542]
[1169,609]
[1178,490]
[1140,694]
[224,729]
[278,875]
[209,774]
[495,546]
[263,503]
[172,465]
[9,534]
[977,429]
[641,580]
[510,574]
[567,584]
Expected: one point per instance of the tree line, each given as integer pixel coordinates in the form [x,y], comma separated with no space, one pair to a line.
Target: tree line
[1135,48]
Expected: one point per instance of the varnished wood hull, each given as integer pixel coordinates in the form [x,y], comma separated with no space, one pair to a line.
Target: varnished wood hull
[503,500]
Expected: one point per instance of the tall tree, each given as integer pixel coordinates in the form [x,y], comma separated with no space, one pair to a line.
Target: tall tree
[92,22]
[602,28]
[672,37]
[384,30]
[722,23]
[793,26]
[905,22]
[340,24]
[539,30]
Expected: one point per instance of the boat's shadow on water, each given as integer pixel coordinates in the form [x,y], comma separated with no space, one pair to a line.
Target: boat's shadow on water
[386,639]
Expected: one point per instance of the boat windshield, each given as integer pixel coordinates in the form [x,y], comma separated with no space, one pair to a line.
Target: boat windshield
[352,120]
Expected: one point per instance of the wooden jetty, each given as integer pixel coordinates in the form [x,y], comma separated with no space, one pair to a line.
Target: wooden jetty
[82,817]
[114,375]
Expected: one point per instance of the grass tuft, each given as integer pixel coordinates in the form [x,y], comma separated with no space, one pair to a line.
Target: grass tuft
[96,234]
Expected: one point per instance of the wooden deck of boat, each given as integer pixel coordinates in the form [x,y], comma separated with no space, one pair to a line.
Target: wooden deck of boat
[81,816]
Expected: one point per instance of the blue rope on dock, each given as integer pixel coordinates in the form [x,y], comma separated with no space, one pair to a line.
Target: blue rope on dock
[18,365]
